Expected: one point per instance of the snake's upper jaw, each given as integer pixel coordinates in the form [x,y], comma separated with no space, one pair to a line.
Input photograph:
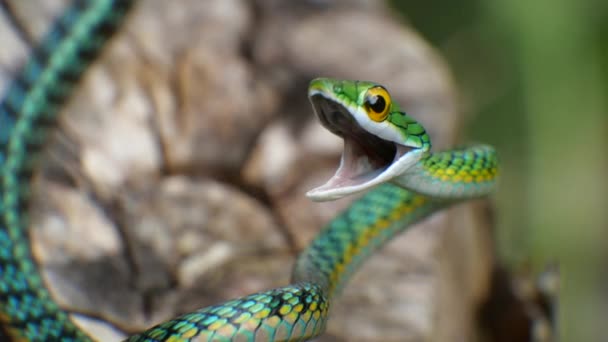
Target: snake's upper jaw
[367,160]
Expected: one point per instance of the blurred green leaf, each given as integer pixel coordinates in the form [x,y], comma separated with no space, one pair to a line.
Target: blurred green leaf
[534,77]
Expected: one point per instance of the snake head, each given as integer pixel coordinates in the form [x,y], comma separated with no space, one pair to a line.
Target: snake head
[380,141]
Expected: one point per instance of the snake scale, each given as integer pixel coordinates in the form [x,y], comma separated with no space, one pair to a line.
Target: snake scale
[386,153]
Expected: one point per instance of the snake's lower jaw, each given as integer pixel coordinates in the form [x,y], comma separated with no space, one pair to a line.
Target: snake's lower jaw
[358,172]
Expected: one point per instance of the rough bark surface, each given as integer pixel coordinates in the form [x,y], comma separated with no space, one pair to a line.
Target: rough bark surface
[176,177]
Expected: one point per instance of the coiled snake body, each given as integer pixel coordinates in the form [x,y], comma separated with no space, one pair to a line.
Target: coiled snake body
[385,151]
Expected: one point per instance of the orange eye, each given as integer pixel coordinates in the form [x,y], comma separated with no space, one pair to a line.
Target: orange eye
[377,103]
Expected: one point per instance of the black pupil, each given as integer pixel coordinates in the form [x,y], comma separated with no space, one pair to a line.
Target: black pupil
[376,103]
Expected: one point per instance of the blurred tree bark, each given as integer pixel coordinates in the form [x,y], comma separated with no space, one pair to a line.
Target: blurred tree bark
[177,176]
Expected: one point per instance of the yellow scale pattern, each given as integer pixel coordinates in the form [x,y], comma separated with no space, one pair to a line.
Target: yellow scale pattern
[370,233]
[462,166]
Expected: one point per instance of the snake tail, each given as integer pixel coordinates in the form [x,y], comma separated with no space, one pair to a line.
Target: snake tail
[27,111]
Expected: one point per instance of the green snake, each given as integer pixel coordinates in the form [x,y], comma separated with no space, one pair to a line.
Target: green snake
[386,153]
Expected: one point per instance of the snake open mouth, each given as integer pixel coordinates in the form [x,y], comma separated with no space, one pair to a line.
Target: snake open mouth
[365,157]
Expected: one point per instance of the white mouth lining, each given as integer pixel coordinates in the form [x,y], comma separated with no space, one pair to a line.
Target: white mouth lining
[340,186]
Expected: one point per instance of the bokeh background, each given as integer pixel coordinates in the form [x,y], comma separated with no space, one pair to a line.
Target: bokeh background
[179,166]
[533,80]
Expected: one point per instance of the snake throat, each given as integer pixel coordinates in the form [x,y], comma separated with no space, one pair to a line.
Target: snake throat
[366,158]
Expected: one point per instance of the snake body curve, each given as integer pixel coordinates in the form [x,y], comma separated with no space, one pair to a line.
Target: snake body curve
[292,313]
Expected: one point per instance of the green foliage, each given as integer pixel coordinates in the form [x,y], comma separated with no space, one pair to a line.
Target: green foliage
[534,79]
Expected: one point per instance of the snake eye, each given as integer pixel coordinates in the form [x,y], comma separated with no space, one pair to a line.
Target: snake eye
[377,103]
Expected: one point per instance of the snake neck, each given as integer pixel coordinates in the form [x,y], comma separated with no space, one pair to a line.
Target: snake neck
[437,180]
[348,240]
[458,174]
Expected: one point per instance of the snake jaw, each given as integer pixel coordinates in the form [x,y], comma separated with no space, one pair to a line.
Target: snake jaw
[367,160]
[356,173]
